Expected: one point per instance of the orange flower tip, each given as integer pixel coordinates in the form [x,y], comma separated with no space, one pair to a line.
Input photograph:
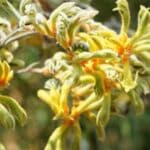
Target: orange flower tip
[120,51]
[3,83]
[53,31]
[75,114]
[66,110]
[68,43]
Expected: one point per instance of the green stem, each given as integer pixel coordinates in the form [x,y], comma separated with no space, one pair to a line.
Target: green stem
[13,9]
[19,36]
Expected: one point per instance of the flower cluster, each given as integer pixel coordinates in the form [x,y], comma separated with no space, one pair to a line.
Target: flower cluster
[100,74]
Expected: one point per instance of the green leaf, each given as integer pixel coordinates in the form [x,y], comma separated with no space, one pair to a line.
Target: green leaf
[18,112]
[6,118]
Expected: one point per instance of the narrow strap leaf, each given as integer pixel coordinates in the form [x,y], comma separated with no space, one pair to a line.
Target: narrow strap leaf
[15,108]
[6,118]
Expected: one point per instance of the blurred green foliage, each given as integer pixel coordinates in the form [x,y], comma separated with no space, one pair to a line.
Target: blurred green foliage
[122,133]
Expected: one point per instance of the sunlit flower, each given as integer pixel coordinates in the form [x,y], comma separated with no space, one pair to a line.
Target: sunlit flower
[97,73]
[6,74]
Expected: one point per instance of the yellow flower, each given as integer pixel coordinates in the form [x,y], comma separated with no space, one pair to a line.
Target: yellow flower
[5,74]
